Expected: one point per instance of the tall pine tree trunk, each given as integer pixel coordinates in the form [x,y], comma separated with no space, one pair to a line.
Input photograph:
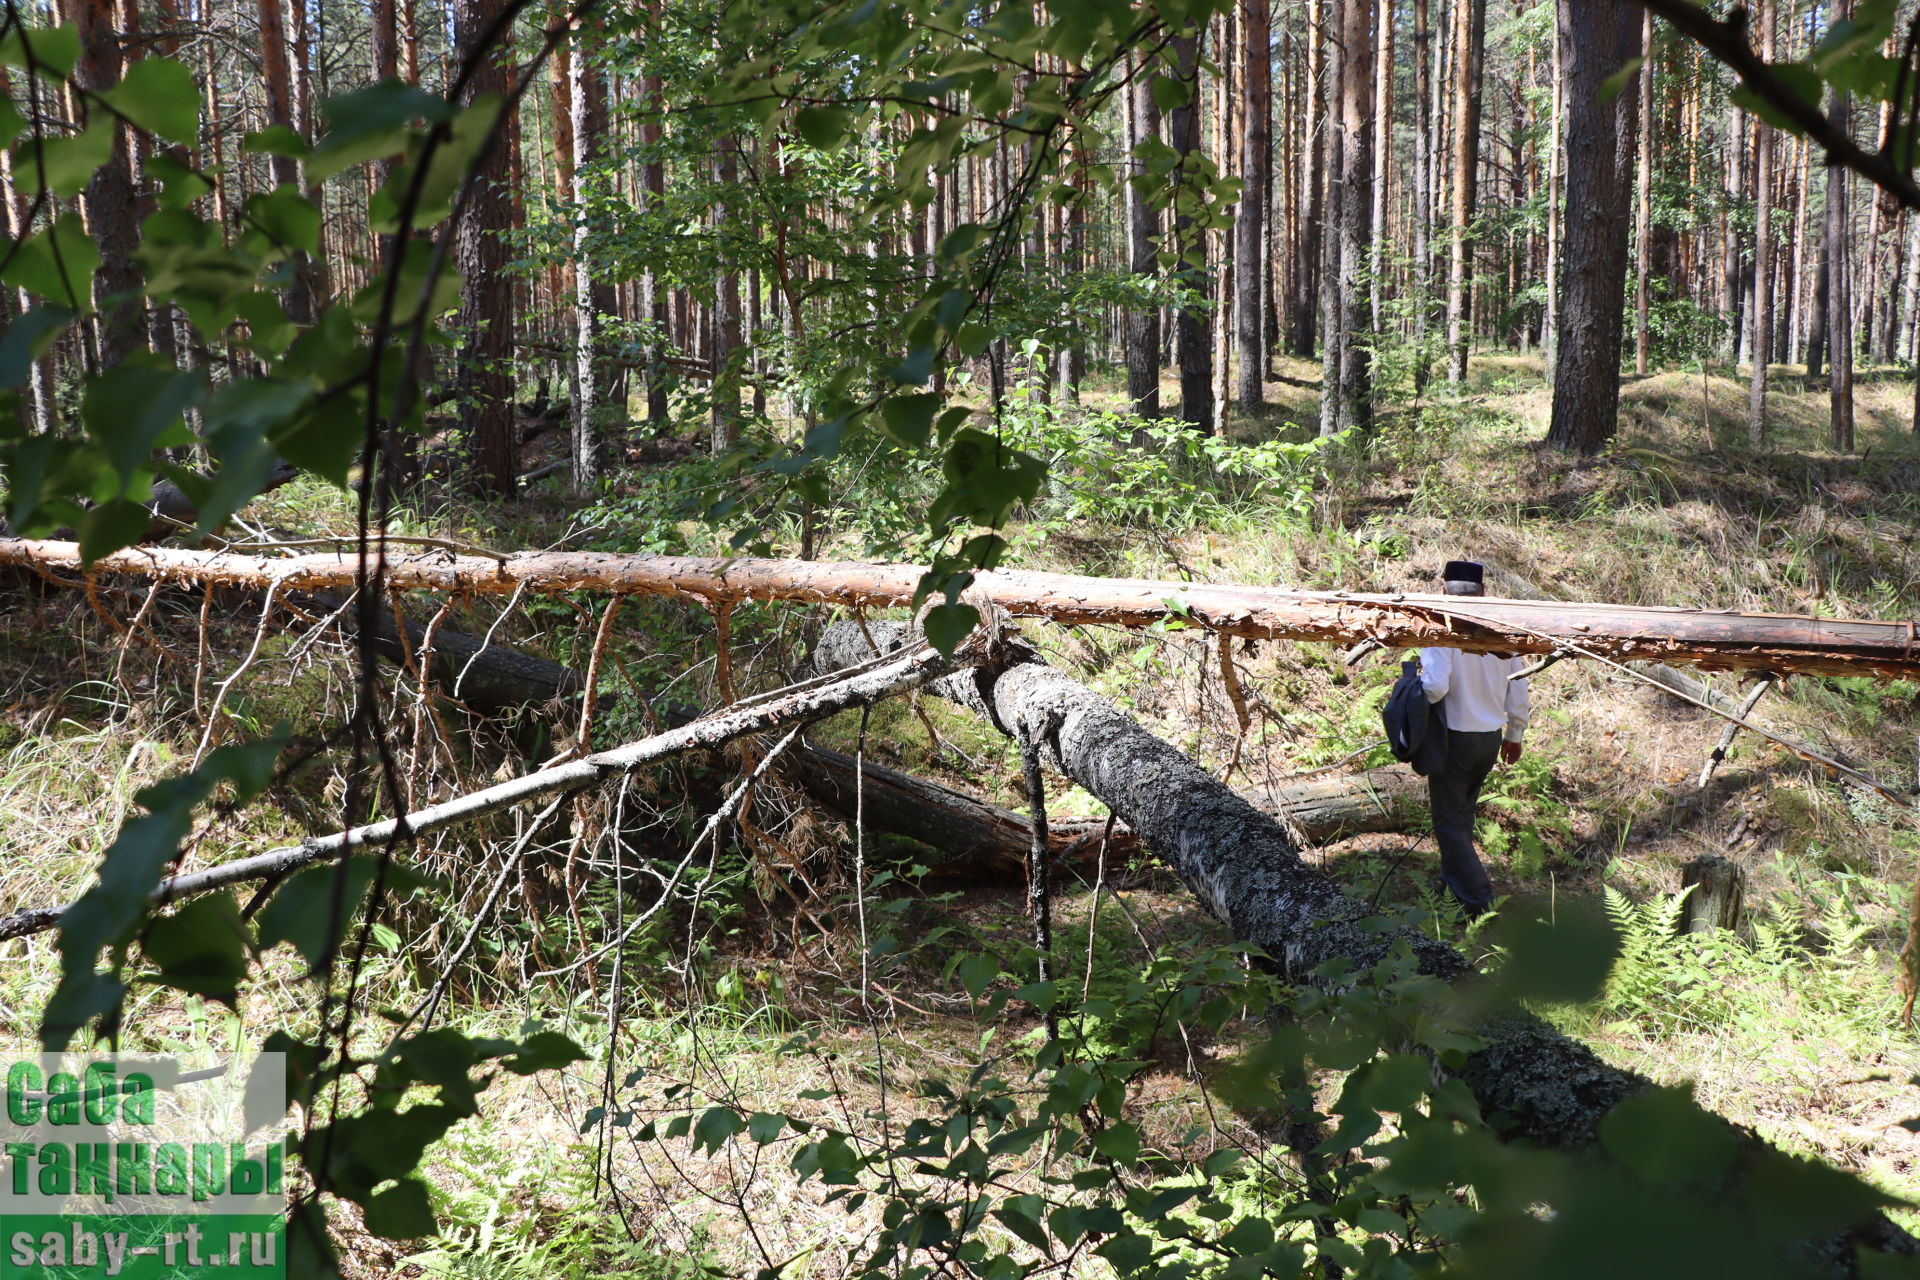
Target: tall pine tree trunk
[1250,236]
[1193,332]
[482,255]
[1839,291]
[1643,216]
[1313,185]
[1469,54]
[120,327]
[726,354]
[1352,387]
[1762,326]
[1143,226]
[1420,279]
[1597,39]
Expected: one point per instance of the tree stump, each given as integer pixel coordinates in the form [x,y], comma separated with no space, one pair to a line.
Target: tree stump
[1719,893]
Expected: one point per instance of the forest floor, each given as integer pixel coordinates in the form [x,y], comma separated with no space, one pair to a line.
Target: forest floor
[1793,1030]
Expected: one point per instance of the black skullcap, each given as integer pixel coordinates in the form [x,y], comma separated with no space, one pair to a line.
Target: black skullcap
[1464,571]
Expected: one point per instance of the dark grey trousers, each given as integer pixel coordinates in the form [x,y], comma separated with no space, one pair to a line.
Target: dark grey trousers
[1455,794]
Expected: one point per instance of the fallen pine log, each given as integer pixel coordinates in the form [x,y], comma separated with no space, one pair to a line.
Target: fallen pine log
[488,678]
[1697,637]
[1530,1082]
[863,683]
[978,839]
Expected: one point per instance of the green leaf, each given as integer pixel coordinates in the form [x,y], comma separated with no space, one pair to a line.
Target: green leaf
[763,1127]
[715,1126]
[316,905]
[973,339]
[57,263]
[401,1212]
[1171,92]
[201,949]
[909,419]
[369,123]
[325,436]
[978,970]
[180,183]
[1561,962]
[287,217]
[1610,88]
[543,1051]
[53,49]
[130,409]
[1128,1251]
[159,95]
[1797,76]
[111,525]
[27,339]
[1397,1082]
[12,123]
[64,164]
[1251,1235]
[1023,1224]
[277,140]
[947,625]
[108,912]
[821,127]
[1119,1143]
[1664,1137]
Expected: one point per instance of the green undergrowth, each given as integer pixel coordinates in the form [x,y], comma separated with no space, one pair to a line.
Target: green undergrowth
[1789,1025]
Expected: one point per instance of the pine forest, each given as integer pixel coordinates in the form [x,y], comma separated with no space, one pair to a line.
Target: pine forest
[960,638]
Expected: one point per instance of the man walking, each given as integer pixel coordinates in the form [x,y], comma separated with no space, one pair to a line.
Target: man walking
[1486,715]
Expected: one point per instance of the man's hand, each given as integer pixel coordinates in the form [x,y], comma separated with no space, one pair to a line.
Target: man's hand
[1509,753]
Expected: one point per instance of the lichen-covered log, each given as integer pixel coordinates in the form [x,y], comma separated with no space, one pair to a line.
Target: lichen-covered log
[1530,1081]
[1241,863]
[1698,637]
[979,840]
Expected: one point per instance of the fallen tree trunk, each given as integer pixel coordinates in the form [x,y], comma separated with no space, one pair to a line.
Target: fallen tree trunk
[1697,637]
[1529,1081]
[863,683]
[978,839]
[489,678]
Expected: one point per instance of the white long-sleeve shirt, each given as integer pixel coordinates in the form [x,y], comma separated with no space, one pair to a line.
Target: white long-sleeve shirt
[1479,696]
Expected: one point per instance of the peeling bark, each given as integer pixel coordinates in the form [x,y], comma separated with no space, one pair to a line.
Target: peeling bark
[1715,640]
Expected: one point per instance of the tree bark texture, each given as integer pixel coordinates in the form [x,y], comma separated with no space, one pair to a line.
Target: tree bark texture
[1531,1082]
[586,137]
[1193,332]
[1716,640]
[1250,235]
[1839,301]
[1143,226]
[1420,273]
[1469,57]
[1597,38]
[982,840]
[111,210]
[1354,404]
[1312,193]
[1762,325]
[482,255]
[728,352]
